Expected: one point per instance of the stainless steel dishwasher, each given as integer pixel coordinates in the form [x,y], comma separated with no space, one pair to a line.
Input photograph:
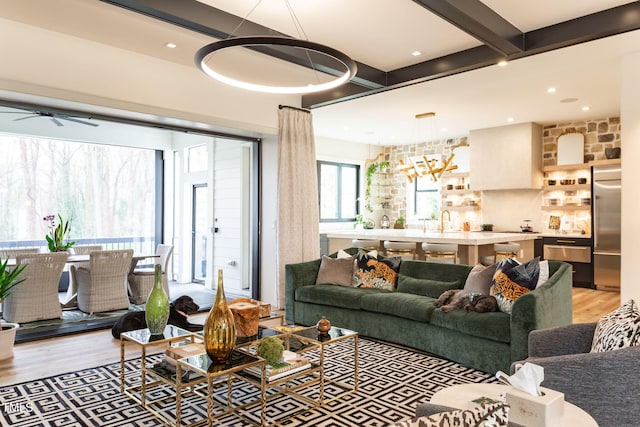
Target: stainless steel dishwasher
[575,251]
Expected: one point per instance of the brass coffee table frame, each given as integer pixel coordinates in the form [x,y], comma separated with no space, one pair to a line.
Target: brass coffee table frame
[210,372]
[304,339]
[334,335]
[143,338]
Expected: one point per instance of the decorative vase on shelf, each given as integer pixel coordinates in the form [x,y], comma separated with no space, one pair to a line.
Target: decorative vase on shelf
[157,308]
[220,327]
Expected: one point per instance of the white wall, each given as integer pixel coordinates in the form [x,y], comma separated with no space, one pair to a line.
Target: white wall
[630,121]
[506,209]
[269,216]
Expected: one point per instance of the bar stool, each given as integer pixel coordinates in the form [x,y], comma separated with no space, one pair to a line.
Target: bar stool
[368,244]
[441,252]
[407,250]
[501,251]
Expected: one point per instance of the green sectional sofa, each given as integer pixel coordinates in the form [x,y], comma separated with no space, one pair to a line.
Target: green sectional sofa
[485,341]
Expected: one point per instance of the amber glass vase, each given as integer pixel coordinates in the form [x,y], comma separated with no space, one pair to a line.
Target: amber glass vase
[157,308]
[220,328]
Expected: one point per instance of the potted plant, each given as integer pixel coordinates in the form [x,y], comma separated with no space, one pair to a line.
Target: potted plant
[8,279]
[399,222]
[371,170]
[58,233]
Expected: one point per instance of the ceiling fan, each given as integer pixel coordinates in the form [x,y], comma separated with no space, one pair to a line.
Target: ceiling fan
[55,118]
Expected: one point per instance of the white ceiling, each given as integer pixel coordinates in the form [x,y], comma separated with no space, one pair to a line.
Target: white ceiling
[383,33]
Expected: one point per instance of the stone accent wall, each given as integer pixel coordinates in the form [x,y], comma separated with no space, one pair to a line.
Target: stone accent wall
[598,135]
[393,154]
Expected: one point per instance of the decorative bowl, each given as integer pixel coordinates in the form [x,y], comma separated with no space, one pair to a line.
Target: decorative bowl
[612,152]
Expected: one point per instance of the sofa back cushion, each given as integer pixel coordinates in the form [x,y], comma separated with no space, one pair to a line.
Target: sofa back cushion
[425,287]
[435,270]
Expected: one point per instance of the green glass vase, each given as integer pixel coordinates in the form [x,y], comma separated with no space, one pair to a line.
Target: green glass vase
[157,309]
[220,327]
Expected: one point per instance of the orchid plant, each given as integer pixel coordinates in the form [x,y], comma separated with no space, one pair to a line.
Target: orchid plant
[58,233]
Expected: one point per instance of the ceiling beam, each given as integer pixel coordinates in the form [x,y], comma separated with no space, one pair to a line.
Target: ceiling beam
[606,23]
[478,20]
[501,40]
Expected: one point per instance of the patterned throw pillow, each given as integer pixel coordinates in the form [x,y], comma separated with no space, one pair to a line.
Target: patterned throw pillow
[491,415]
[512,280]
[375,272]
[618,329]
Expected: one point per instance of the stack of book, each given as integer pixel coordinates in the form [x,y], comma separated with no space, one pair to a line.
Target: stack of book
[291,363]
[172,354]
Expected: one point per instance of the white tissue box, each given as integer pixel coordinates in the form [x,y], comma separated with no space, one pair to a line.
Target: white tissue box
[535,411]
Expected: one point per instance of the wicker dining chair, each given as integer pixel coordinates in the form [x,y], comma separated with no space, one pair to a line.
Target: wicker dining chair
[70,299]
[103,286]
[141,279]
[37,297]
[6,253]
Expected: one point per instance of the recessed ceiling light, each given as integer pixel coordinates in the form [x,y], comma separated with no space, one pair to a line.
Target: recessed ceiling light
[416,53]
[443,129]
[551,90]
[510,119]
[502,63]
[170,45]
[567,100]
[586,108]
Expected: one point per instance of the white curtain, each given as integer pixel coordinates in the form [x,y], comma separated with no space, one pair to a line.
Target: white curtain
[298,212]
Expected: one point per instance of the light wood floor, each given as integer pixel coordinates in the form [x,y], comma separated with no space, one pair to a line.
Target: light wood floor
[55,356]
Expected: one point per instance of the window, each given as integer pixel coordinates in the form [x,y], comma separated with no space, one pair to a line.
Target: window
[105,191]
[427,197]
[338,187]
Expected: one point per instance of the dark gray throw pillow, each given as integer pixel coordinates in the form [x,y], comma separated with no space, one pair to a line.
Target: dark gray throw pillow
[338,271]
[424,287]
[480,278]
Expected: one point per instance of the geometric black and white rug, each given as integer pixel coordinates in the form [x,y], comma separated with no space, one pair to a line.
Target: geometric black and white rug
[393,380]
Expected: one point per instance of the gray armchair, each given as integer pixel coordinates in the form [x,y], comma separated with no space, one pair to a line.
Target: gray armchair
[604,384]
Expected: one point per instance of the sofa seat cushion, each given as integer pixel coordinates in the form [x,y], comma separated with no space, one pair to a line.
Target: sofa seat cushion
[494,326]
[337,296]
[408,306]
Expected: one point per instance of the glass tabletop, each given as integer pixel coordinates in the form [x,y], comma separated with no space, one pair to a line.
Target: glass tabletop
[143,336]
[334,334]
[204,365]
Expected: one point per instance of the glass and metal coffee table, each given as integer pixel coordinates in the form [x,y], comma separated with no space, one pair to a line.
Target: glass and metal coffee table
[215,374]
[335,335]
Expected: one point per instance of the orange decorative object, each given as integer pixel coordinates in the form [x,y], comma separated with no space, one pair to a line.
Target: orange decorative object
[323,325]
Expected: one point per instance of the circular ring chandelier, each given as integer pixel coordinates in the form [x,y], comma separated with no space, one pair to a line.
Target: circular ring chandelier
[203,53]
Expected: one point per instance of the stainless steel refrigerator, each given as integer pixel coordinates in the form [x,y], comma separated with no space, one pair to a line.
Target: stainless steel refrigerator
[607,185]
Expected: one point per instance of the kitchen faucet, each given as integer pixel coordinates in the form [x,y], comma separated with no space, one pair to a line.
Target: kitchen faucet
[442,219]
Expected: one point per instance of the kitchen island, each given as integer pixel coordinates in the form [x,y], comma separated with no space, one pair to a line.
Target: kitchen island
[473,244]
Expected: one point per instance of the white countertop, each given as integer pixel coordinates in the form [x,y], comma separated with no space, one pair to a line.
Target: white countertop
[416,235]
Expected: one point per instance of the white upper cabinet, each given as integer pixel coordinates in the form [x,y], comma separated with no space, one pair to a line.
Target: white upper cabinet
[506,157]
